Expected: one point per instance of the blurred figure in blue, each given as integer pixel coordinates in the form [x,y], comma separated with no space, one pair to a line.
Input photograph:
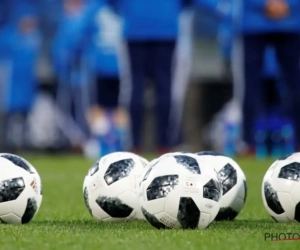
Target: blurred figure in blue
[270,75]
[151,29]
[71,59]
[106,42]
[260,24]
[19,49]
[108,122]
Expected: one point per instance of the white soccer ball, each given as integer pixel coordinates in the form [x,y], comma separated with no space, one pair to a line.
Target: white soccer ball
[233,183]
[20,190]
[180,191]
[110,188]
[280,189]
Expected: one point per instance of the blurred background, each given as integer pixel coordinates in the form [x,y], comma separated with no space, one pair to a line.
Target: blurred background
[96,76]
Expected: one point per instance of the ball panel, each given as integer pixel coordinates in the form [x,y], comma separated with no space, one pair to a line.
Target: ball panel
[205,220]
[287,204]
[228,177]
[130,198]
[11,189]
[189,163]
[153,220]
[283,185]
[118,170]
[18,161]
[212,191]
[114,207]
[272,199]
[7,207]
[188,213]
[290,172]
[10,219]
[31,209]
[161,186]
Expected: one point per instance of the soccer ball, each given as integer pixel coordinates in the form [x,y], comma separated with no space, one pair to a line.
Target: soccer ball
[233,183]
[180,191]
[20,190]
[280,189]
[22,163]
[111,185]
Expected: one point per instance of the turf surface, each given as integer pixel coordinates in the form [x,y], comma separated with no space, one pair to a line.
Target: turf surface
[63,221]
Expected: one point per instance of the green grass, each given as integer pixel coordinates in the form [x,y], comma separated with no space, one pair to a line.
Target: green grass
[63,221]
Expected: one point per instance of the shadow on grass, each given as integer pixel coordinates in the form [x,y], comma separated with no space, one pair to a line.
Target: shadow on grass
[145,226]
[93,224]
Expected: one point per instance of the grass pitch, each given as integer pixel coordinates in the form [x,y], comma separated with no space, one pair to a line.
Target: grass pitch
[63,222]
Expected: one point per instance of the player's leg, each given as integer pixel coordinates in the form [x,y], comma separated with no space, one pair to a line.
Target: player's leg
[163,54]
[182,64]
[63,98]
[288,54]
[253,47]
[108,92]
[131,97]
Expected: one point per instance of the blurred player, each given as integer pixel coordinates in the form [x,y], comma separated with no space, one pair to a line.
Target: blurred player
[19,48]
[259,24]
[71,62]
[107,121]
[151,29]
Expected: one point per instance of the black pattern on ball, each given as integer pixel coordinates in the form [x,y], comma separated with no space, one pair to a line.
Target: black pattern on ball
[94,169]
[11,189]
[272,199]
[212,190]
[189,163]
[30,211]
[118,170]
[212,153]
[18,161]
[41,191]
[114,207]
[297,212]
[153,220]
[226,213]
[188,213]
[228,177]
[86,200]
[161,186]
[2,221]
[245,190]
[290,172]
